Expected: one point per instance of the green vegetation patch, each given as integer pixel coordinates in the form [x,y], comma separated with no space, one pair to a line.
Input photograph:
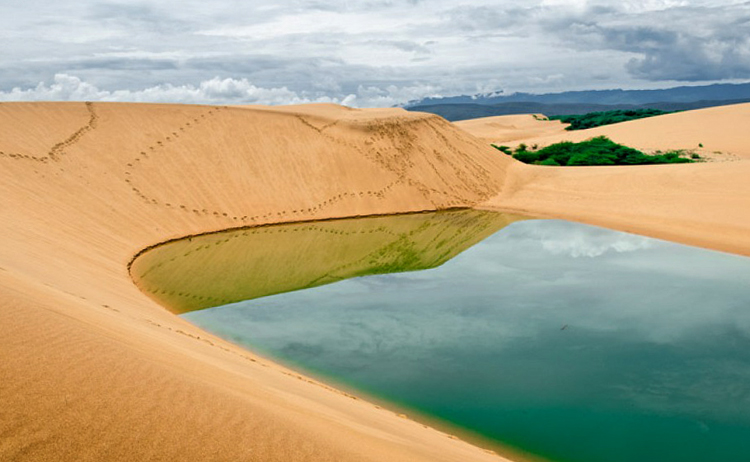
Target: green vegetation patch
[596,151]
[597,119]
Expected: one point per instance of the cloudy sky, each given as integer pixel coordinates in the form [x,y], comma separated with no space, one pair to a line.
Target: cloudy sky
[361,53]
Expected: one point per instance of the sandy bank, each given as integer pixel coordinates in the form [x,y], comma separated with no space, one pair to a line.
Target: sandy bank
[95,370]
[705,204]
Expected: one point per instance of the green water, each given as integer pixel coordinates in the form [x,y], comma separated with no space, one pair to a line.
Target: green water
[222,268]
[569,342]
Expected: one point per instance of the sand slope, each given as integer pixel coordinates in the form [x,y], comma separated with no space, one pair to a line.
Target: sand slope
[93,369]
[511,128]
[706,204]
[721,130]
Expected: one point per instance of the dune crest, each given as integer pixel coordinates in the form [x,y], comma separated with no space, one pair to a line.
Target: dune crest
[511,128]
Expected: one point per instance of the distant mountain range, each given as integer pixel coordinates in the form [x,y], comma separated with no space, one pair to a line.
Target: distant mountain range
[456,112]
[580,102]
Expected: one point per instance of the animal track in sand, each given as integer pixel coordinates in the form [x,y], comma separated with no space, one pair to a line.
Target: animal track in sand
[397,157]
[154,149]
[309,211]
[58,149]
[474,179]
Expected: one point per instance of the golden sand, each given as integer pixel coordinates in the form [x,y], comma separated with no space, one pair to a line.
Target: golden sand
[704,204]
[93,369]
[511,129]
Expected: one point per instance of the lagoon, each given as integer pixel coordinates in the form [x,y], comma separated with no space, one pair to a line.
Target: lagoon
[565,341]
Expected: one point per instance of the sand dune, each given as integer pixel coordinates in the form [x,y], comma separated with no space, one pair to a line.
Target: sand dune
[705,204]
[721,130]
[93,369]
[511,128]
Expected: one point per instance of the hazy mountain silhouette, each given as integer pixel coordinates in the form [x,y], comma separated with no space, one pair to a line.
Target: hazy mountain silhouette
[580,102]
[456,112]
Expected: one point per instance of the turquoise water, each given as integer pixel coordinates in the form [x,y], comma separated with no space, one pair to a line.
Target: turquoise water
[570,342]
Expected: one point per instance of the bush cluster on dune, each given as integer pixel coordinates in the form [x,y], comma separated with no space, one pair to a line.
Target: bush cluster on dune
[597,119]
[596,151]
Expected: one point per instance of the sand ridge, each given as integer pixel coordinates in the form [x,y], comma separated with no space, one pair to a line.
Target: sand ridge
[511,128]
[95,370]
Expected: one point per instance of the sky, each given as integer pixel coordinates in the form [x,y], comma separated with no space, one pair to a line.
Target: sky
[361,53]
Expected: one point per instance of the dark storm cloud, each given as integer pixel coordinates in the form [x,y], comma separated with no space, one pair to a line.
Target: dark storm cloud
[692,59]
[679,44]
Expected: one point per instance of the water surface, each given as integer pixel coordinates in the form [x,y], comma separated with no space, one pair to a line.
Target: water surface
[221,268]
[567,341]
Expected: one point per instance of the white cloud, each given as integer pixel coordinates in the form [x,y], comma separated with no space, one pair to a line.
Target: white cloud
[391,95]
[65,87]
[379,52]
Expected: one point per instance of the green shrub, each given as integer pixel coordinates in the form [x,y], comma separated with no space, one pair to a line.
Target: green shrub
[503,149]
[528,157]
[596,151]
[597,119]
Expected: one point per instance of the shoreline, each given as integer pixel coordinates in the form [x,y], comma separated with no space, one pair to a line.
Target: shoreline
[300,222]
[452,430]
[625,226]
[401,411]
[700,209]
